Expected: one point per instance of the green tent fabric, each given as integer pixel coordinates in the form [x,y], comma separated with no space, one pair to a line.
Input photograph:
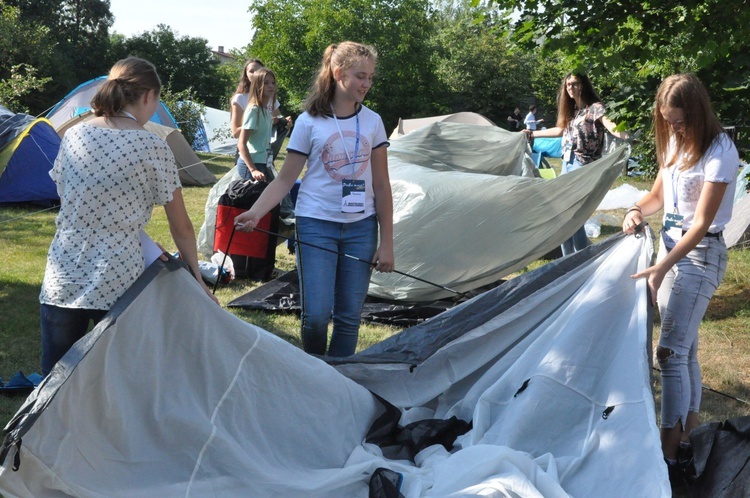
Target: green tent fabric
[468,210]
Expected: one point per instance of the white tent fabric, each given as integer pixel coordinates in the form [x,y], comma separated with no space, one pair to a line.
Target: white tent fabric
[172,396]
[737,231]
[466,212]
[408,125]
[218,132]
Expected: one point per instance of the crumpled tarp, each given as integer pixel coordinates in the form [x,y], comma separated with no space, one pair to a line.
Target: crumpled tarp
[172,396]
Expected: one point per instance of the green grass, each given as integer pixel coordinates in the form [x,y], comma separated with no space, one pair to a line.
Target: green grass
[25,234]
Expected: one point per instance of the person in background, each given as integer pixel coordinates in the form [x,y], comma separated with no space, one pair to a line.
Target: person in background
[238,102]
[344,197]
[515,120]
[530,120]
[581,122]
[110,173]
[255,136]
[695,186]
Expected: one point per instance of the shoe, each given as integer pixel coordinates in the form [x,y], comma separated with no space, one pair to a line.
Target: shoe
[676,479]
[685,462]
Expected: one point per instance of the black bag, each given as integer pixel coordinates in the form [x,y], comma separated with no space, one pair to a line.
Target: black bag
[253,254]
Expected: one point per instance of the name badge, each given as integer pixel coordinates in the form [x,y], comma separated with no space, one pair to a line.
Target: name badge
[673,225]
[352,196]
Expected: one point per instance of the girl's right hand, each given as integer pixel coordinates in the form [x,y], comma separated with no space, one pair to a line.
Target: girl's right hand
[632,219]
[258,175]
[246,221]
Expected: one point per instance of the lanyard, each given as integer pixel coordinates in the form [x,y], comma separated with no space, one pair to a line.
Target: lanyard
[126,114]
[675,182]
[343,143]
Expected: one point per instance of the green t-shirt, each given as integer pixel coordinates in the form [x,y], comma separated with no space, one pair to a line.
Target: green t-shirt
[259,141]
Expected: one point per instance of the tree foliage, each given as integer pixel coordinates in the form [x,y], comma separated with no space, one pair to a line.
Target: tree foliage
[186,110]
[629,47]
[291,36]
[479,66]
[76,31]
[183,62]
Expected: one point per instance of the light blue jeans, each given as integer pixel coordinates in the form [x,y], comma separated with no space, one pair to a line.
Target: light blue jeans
[683,299]
[578,240]
[333,284]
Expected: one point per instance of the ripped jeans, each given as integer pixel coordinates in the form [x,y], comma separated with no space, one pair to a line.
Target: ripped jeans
[683,299]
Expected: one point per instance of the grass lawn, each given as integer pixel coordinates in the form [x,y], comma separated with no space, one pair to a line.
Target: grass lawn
[25,234]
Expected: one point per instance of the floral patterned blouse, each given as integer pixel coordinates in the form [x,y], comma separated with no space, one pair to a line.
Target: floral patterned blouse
[109,181]
[585,133]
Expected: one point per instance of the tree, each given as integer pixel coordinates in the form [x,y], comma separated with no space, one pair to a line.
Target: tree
[475,60]
[182,62]
[629,47]
[26,52]
[291,35]
[78,31]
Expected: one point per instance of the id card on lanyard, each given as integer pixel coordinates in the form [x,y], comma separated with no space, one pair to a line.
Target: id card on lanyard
[673,221]
[353,192]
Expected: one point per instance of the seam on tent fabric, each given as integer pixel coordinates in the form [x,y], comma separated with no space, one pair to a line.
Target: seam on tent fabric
[229,388]
[9,149]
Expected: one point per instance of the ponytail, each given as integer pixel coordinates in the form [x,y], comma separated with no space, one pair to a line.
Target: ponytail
[128,80]
[343,55]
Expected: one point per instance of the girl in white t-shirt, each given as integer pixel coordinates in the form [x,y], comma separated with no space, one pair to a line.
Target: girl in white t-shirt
[345,196]
[254,143]
[695,187]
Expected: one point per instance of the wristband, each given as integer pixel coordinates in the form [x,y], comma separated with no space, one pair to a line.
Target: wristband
[635,208]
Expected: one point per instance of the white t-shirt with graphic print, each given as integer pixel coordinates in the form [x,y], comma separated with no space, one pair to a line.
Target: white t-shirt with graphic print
[108,181]
[328,162]
[720,164]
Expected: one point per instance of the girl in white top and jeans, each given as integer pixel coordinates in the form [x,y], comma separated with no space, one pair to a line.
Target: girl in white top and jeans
[344,197]
[695,187]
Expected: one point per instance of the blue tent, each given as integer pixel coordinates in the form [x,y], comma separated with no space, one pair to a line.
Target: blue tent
[78,101]
[28,147]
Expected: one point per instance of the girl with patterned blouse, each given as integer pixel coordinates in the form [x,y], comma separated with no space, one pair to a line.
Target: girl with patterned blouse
[110,173]
[581,122]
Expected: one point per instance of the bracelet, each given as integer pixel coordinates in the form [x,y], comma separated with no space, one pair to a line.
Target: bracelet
[532,133]
[635,208]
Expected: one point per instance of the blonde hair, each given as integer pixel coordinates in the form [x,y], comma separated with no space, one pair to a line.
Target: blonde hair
[687,93]
[343,55]
[127,81]
[255,96]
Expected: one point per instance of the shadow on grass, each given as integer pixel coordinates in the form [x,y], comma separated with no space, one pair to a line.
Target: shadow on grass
[732,305]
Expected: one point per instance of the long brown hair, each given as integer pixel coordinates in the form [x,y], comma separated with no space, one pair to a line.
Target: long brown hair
[257,81]
[343,55]
[127,81]
[243,86]
[566,105]
[687,93]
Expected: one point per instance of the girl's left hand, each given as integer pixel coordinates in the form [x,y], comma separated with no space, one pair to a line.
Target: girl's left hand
[384,260]
[655,277]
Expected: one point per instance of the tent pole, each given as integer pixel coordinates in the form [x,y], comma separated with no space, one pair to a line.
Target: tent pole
[461,294]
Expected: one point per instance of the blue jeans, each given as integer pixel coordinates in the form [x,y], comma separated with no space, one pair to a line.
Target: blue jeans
[683,299]
[244,171]
[61,328]
[333,284]
[578,240]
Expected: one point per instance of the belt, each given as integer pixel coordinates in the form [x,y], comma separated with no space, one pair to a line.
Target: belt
[709,234]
